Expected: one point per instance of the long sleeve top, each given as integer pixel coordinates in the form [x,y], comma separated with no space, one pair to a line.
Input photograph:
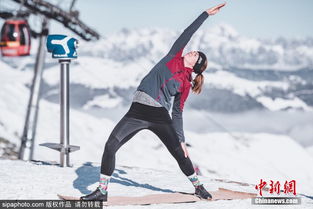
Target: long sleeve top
[170,78]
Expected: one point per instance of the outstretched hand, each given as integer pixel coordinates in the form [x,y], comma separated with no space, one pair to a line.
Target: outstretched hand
[216,9]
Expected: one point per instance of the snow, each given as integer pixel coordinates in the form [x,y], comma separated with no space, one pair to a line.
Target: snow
[13,101]
[86,131]
[258,145]
[305,50]
[227,80]
[250,45]
[126,181]
[279,103]
[310,150]
[222,43]
[251,157]
[295,124]
[103,101]
[99,73]
[241,157]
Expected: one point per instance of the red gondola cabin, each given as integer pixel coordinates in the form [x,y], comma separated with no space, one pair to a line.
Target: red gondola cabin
[15,38]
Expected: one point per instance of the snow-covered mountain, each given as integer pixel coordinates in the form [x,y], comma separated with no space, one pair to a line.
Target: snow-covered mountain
[223,45]
[256,144]
[243,74]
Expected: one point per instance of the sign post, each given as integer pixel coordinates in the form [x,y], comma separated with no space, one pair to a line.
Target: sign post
[63,48]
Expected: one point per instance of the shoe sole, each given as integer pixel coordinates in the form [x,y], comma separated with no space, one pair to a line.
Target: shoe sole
[209,198]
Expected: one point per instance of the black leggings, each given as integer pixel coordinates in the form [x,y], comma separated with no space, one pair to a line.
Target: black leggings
[139,117]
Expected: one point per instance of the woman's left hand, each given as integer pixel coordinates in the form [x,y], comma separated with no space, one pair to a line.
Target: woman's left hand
[183,145]
[216,9]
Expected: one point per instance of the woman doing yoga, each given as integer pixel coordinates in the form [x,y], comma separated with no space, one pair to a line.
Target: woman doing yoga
[170,77]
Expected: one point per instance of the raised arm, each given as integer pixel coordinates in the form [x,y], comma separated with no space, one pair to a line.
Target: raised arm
[184,38]
[216,9]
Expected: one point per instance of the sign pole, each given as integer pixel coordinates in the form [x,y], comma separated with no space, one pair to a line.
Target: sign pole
[63,48]
[64,110]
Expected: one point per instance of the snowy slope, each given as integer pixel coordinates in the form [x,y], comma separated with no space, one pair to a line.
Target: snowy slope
[245,74]
[310,150]
[244,157]
[14,96]
[126,181]
[240,156]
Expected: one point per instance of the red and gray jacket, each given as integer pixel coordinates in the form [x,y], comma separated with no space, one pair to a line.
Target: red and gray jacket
[170,78]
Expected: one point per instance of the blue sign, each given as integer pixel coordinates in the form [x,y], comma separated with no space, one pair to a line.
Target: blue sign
[62,47]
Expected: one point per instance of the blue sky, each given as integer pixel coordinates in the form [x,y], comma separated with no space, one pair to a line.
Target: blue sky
[252,18]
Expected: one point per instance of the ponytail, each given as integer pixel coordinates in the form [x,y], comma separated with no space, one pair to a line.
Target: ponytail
[197,84]
[199,80]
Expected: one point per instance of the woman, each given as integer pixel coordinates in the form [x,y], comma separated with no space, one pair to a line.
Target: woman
[151,103]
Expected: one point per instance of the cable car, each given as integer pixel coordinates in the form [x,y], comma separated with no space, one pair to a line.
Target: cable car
[15,38]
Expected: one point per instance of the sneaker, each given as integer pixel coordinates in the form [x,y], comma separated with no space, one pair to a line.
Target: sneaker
[96,196]
[202,193]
